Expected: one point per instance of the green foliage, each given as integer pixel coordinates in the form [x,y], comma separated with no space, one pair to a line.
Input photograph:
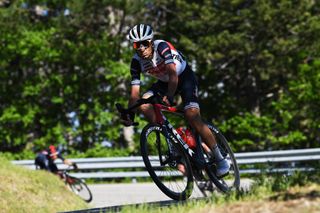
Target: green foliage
[56,67]
[61,75]
[251,133]
[281,182]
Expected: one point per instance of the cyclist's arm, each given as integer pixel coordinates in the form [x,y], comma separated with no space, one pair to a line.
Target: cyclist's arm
[173,79]
[134,95]
[135,70]
[65,161]
[164,50]
[68,162]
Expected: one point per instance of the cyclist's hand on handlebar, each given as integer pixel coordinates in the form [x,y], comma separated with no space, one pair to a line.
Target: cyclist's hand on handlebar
[75,166]
[127,118]
[168,100]
[127,122]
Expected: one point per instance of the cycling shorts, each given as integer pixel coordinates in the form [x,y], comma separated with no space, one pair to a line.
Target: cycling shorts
[187,88]
[45,164]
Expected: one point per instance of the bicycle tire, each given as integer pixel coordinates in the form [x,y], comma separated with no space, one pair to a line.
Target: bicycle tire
[167,176]
[79,187]
[232,180]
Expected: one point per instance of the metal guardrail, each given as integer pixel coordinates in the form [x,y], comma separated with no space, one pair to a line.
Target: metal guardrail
[133,166]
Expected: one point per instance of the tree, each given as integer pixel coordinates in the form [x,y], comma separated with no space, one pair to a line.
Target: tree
[55,65]
[63,65]
[247,55]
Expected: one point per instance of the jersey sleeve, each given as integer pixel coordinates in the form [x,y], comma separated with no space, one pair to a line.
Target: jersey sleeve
[164,51]
[135,70]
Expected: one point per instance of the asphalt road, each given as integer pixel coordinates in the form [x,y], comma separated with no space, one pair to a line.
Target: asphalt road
[106,195]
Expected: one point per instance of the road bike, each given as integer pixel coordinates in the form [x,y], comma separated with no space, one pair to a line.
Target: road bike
[76,185]
[173,164]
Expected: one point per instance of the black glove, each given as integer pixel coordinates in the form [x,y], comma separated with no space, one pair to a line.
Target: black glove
[128,118]
[75,166]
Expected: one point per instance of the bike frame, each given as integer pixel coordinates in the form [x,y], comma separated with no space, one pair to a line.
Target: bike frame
[169,129]
[198,157]
[171,133]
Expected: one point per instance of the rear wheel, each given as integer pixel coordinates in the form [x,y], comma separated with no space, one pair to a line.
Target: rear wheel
[167,164]
[79,187]
[232,180]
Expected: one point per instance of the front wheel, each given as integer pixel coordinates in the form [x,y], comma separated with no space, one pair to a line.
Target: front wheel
[79,187]
[166,162]
[232,180]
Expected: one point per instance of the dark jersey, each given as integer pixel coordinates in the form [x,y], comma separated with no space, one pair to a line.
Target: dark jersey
[45,160]
[164,53]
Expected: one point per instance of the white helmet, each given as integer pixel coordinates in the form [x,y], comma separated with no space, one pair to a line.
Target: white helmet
[140,32]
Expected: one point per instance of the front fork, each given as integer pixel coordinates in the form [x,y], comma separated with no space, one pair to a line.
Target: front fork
[159,147]
[170,146]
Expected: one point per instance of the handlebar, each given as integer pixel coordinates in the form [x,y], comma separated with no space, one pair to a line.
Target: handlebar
[139,102]
[74,167]
[154,99]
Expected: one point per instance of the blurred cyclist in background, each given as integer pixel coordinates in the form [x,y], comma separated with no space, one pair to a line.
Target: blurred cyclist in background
[45,160]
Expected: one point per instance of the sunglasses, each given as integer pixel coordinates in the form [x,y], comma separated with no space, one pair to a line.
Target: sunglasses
[145,44]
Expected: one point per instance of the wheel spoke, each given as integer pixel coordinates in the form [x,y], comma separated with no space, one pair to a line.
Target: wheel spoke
[164,170]
[232,180]
[80,188]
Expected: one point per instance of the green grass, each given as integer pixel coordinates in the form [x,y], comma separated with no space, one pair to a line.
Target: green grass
[24,190]
[299,192]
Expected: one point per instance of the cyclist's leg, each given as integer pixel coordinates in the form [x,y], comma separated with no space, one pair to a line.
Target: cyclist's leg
[146,109]
[188,88]
[194,119]
[41,162]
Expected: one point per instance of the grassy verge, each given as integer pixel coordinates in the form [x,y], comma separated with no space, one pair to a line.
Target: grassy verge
[24,190]
[277,194]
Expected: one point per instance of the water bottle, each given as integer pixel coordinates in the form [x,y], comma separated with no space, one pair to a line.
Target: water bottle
[190,139]
[181,132]
[187,136]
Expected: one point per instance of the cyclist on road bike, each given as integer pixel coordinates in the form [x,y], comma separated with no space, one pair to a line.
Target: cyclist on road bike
[160,59]
[45,160]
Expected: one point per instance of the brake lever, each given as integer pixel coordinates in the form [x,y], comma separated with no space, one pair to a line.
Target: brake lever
[123,110]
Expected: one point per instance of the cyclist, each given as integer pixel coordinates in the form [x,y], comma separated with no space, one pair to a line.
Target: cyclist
[45,160]
[160,59]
